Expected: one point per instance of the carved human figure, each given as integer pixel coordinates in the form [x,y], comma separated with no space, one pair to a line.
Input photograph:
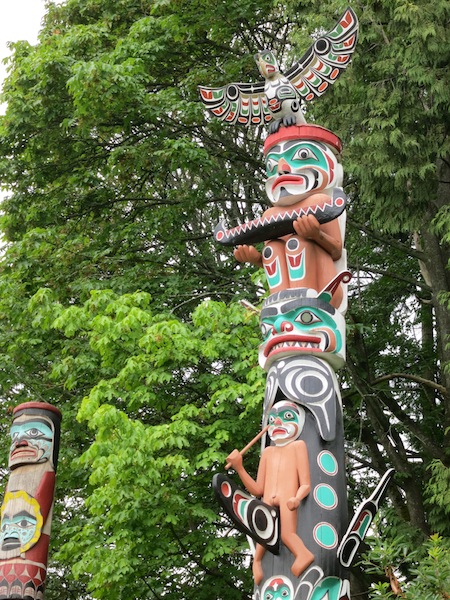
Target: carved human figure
[302,171]
[283,480]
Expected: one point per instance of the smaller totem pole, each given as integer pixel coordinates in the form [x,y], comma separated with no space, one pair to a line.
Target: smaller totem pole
[296,509]
[26,512]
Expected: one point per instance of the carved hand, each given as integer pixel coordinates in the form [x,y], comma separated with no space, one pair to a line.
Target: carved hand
[249,254]
[234,460]
[293,503]
[307,227]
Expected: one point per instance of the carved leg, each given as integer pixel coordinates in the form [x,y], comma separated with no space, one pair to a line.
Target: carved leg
[257,567]
[302,556]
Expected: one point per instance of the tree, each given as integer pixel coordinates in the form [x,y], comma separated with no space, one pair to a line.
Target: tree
[117,306]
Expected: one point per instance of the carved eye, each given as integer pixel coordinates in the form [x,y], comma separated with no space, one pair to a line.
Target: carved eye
[271,165]
[25,524]
[268,596]
[303,154]
[34,432]
[288,415]
[307,318]
[266,329]
[285,593]
[271,419]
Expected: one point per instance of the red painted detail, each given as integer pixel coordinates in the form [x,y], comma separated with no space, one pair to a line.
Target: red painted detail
[350,42]
[294,261]
[323,87]
[39,405]
[346,19]
[303,132]
[206,94]
[334,74]
[226,489]
[271,268]
[310,97]
[286,179]
[339,201]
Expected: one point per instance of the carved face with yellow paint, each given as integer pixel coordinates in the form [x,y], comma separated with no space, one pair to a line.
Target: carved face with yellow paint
[21,524]
[298,168]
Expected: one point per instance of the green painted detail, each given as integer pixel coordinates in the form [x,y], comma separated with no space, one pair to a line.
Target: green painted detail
[296,273]
[364,525]
[327,589]
[301,155]
[275,279]
[242,508]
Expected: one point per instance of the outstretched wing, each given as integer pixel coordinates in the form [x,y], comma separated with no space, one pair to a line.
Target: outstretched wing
[325,60]
[243,103]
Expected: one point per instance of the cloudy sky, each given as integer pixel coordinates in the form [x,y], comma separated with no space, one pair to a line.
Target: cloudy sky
[20,20]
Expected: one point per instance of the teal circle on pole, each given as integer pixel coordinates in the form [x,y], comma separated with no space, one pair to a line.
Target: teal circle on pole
[325,535]
[325,496]
[327,462]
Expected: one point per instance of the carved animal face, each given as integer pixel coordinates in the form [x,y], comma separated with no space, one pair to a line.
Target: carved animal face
[267,64]
[296,169]
[278,588]
[299,326]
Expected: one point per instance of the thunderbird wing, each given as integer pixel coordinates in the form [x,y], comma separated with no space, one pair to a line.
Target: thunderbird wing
[243,103]
[326,59]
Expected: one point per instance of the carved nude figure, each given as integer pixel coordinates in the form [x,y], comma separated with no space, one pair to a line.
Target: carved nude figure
[283,480]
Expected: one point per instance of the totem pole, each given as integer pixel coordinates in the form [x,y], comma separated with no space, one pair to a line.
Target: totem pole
[26,512]
[295,511]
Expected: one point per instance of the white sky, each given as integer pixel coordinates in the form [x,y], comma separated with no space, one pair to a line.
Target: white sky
[19,20]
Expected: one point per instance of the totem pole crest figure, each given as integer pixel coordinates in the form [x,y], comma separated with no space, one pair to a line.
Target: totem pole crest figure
[26,512]
[296,508]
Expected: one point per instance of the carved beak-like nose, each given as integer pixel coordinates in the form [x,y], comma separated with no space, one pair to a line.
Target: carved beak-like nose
[283,167]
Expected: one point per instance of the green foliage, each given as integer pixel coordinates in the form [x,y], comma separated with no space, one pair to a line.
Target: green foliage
[428,566]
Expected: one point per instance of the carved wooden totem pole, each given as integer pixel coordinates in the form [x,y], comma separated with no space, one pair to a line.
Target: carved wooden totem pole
[26,512]
[295,511]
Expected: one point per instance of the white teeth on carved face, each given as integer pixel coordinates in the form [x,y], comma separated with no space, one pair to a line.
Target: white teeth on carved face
[296,345]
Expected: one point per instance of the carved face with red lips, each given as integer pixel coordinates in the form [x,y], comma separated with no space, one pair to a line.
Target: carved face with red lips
[31,440]
[293,324]
[286,421]
[298,168]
